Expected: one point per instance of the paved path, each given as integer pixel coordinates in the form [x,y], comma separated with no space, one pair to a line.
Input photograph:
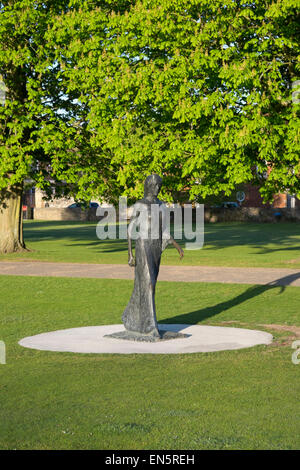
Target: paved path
[273,276]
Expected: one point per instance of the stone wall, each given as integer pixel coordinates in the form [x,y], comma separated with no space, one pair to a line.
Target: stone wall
[252,214]
[65,213]
[243,214]
[56,213]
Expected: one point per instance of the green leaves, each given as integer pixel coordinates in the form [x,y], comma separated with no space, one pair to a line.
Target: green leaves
[103,93]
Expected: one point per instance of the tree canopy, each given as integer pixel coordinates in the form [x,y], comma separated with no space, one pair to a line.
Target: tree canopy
[44,136]
[102,93]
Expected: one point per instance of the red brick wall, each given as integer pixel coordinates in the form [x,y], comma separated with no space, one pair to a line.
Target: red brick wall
[254,199]
[279,200]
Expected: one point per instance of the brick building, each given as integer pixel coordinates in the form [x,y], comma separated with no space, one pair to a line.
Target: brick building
[282,200]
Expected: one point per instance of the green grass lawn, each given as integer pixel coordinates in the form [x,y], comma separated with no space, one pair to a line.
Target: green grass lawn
[244,399]
[225,244]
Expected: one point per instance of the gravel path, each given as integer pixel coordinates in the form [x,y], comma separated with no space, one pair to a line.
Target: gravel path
[273,276]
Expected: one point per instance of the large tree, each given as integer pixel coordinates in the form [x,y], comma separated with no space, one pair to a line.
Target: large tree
[44,139]
[101,93]
[197,90]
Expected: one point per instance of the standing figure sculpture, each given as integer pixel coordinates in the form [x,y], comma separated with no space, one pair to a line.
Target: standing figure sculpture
[149,215]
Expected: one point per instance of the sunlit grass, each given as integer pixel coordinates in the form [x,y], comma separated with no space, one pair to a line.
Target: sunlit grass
[243,399]
[226,244]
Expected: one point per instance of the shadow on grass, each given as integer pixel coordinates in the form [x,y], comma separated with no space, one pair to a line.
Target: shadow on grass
[258,236]
[74,234]
[200,315]
[261,237]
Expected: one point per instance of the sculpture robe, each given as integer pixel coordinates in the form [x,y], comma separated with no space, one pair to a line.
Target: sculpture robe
[140,313]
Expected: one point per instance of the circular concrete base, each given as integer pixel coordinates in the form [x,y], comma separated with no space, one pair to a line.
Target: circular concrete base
[91,339]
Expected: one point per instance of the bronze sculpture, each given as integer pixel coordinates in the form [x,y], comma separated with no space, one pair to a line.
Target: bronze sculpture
[139,317]
[140,314]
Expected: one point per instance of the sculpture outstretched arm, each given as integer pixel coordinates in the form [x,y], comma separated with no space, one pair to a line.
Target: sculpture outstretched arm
[178,248]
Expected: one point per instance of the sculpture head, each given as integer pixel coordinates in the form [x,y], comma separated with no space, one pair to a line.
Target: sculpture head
[152,185]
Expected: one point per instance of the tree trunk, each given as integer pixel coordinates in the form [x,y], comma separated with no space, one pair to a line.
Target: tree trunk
[11,220]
